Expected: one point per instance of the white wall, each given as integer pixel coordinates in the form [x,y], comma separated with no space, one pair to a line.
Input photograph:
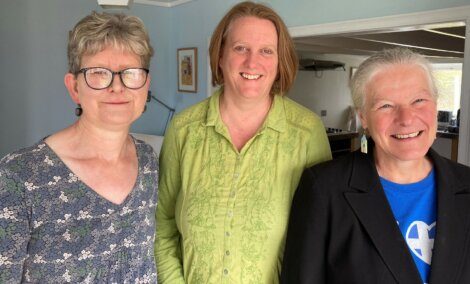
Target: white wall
[326,90]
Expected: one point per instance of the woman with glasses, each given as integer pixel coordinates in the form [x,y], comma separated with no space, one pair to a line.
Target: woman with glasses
[80,205]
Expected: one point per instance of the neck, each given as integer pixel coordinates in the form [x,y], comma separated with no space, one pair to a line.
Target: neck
[243,118]
[403,171]
[90,142]
[244,110]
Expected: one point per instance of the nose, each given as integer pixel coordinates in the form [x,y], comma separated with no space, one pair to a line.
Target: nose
[251,59]
[116,85]
[405,115]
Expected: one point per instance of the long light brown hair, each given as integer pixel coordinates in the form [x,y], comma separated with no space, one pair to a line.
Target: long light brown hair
[287,57]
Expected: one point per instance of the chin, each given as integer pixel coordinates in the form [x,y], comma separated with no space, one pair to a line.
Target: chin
[402,152]
[254,94]
[118,120]
[411,155]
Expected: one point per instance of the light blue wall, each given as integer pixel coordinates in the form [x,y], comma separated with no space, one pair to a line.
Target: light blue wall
[195,21]
[193,24]
[33,33]
[33,100]
[157,21]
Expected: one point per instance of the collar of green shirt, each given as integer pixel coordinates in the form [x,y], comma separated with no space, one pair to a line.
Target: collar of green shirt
[276,119]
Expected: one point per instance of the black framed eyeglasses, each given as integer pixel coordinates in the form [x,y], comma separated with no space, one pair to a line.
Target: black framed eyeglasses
[99,78]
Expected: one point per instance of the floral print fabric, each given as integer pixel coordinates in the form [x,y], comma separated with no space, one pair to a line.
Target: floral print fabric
[55,229]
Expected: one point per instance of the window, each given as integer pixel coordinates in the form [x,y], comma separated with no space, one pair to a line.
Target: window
[449,83]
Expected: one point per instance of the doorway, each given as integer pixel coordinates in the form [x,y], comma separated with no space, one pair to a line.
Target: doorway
[364,39]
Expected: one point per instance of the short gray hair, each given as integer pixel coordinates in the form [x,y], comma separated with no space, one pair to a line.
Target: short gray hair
[382,59]
[97,31]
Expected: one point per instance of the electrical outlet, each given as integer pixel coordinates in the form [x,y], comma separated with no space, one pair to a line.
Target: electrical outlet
[323,112]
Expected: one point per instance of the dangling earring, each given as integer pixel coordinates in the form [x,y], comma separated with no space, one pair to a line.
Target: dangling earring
[78,110]
[149,98]
[364,141]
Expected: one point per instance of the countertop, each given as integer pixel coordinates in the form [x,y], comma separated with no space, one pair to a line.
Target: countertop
[342,135]
[447,134]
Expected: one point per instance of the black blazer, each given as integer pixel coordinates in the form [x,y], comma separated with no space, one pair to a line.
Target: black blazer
[342,230]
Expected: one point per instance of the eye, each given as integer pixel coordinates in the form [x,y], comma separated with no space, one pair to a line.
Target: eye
[240,48]
[420,100]
[98,72]
[385,106]
[267,51]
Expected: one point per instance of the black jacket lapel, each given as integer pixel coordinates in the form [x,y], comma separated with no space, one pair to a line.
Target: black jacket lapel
[372,209]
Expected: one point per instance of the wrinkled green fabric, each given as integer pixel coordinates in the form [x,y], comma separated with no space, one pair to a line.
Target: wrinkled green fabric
[222,214]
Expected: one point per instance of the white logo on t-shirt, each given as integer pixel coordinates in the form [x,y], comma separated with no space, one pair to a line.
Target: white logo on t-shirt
[420,239]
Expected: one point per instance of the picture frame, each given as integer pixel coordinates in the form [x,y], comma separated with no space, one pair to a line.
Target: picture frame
[187,69]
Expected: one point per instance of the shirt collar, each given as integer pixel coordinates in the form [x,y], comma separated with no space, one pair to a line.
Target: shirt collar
[213,113]
[276,119]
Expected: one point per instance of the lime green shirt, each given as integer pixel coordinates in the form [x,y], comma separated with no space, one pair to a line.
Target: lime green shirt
[222,214]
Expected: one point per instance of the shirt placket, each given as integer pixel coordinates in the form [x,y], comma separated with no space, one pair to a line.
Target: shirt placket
[229,221]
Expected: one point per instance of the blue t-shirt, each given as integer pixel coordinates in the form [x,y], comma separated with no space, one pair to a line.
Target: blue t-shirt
[414,208]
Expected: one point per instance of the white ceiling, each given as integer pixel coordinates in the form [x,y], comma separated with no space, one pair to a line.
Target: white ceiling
[445,42]
[162,3]
[125,3]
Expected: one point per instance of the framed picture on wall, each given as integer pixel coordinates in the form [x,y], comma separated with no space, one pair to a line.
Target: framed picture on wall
[187,69]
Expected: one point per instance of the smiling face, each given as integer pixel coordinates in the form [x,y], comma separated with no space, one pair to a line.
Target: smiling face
[115,106]
[400,113]
[249,61]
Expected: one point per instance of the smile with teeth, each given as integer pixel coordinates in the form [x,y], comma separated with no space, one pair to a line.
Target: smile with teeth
[250,76]
[409,135]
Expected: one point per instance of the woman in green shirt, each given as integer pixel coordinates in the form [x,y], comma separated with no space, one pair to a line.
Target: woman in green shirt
[230,164]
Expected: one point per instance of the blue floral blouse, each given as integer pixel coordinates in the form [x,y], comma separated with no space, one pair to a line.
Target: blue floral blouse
[55,229]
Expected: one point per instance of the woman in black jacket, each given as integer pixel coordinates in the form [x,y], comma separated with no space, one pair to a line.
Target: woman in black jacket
[397,213]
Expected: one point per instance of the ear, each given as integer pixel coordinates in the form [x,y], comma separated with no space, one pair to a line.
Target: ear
[221,62]
[363,118]
[221,56]
[70,82]
[149,79]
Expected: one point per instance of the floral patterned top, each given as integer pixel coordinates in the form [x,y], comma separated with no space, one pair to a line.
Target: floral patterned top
[222,213]
[55,229]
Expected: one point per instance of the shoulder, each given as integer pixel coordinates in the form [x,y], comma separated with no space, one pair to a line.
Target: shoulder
[194,114]
[324,184]
[335,176]
[145,152]
[461,171]
[24,159]
[143,147]
[300,116]
[337,168]
[450,170]
[21,170]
